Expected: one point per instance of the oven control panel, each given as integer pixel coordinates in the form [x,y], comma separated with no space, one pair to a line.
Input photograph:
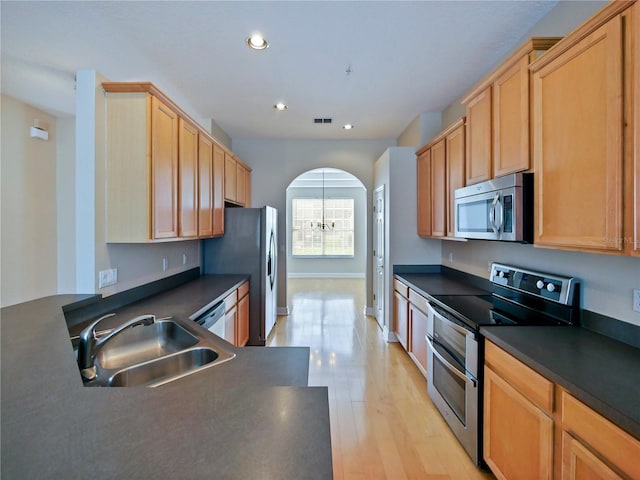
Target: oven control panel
[549,286]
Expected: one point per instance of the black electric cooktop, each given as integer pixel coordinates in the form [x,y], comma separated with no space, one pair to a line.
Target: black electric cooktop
[489,310]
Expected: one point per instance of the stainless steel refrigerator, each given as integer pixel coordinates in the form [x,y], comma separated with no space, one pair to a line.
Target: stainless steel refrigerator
[249,246]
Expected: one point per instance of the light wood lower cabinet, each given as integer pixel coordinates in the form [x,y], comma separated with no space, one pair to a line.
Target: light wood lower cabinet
[534,429]
[401,313]
[237,316]
[242,330]
[410,323]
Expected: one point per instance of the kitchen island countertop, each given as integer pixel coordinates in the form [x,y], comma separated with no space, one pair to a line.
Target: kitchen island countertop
[252,417]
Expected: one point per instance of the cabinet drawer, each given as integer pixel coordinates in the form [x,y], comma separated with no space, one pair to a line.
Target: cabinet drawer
[612,443]
[401,288]
[243,290]
[531,384]
[419,301]
[231,300]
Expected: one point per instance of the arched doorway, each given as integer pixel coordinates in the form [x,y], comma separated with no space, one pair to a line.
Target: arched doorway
[326,228]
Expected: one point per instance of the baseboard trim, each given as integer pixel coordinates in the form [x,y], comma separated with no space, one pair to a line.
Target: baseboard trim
[325,275]
[370,311]
[282,311]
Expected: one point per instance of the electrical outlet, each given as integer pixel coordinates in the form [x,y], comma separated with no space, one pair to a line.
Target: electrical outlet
[107,277]
[165,264]
[636,300]
[184,258]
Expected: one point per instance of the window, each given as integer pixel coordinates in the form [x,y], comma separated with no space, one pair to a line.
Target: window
[308,236]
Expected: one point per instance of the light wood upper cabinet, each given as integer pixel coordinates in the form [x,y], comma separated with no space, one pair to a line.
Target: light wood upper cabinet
[164,170]
[479,138]
[440,168]
[424,191]
[164,173]
[511,119]
[230,178]
[438,189]
[205,187]
[237,182]
[455,149]
[579,149]
[498,116]
[188,180]
[632,186]
[218,190]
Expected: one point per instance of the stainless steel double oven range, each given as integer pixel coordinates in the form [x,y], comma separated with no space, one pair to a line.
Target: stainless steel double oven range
[456,348]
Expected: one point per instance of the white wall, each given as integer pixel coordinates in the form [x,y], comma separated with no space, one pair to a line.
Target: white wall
[396,171]
[276,163]
[28,197]
[66,198]
[420,132]
[342,267]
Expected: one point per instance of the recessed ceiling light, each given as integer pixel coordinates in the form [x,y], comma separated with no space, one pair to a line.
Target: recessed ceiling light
[280,106]
[348,126]
[257,42]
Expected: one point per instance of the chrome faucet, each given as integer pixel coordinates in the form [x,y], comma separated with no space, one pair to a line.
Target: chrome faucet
[89,345]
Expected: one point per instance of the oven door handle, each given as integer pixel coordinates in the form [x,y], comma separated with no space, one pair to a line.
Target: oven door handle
[467,378]
[492,214]
[449,323]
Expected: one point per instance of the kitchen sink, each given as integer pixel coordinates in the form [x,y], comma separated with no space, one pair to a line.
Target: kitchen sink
[140,344]
[164,369]
[153,354]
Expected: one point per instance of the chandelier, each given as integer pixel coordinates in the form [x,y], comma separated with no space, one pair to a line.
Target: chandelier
[322,224]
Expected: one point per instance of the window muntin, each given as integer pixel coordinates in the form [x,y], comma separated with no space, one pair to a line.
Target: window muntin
[309,239]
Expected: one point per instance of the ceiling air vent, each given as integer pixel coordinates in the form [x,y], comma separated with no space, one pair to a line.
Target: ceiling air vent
[322,120]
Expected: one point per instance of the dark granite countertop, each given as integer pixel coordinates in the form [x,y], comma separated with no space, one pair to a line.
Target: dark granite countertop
[252,417]
[600,371]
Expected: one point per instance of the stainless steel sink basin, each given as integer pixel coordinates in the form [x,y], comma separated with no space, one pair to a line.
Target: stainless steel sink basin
[140,344]
[164,369]
[152,355]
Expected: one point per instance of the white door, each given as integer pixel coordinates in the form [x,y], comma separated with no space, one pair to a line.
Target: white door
[378,254]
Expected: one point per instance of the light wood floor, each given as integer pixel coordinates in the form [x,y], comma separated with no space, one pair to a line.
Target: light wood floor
[383,424]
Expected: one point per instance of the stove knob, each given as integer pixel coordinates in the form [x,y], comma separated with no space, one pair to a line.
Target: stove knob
[540,284]
[551,287]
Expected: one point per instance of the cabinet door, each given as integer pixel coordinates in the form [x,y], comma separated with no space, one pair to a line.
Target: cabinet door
[247,189]
[205,186]
[188,180]
[578,463]
[578,145]
[455,149]
[424,193]
[230,321]
[243,322]
[478,161]
[241,178]
[418,343]
[230,178]
[518,436]
[164,170]
[218,190]
[401,319]
[438,190]
[511,120]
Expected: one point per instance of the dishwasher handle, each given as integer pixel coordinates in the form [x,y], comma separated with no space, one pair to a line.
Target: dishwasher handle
[211,316]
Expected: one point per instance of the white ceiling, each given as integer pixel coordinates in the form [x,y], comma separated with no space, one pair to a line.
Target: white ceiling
[406,58]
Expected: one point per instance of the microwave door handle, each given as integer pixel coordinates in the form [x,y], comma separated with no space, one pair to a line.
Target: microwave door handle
[492,214]
[454,370]
[500,208]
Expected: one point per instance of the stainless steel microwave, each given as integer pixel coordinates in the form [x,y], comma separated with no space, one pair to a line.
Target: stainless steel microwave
[498,209]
